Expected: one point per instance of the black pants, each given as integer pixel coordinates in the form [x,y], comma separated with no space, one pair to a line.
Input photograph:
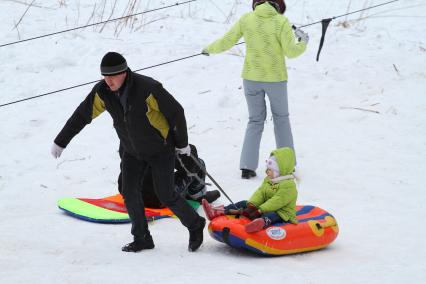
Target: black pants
[162,166]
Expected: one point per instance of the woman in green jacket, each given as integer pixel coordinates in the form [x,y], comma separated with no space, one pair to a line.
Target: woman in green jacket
[273,202]
[269,39]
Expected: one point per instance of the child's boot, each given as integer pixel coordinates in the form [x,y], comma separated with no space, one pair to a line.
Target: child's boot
[257,225]
[212,212]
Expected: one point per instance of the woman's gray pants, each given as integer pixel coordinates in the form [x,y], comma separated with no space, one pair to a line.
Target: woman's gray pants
[255,97]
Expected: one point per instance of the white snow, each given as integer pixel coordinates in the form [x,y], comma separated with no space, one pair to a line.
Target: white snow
[365,168]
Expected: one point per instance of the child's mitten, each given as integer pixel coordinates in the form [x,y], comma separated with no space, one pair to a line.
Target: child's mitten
[251,212]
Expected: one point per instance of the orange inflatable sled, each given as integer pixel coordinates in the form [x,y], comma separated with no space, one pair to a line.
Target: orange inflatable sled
[316,229]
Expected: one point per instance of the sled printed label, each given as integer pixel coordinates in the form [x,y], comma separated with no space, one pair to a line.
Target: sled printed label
[276,233]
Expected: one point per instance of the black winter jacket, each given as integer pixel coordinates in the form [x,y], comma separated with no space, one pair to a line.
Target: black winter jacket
[153,121]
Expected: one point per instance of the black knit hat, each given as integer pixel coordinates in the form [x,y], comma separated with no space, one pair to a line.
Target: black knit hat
[113,63]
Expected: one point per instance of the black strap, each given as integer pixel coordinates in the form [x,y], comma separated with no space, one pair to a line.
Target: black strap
[191,174]
[324,23]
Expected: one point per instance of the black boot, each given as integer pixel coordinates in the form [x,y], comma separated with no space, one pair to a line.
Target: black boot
[196,235]
[247,174]
[210,196]
[139,244]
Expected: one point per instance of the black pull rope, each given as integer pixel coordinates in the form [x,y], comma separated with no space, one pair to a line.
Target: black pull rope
[95,24]
[212,179]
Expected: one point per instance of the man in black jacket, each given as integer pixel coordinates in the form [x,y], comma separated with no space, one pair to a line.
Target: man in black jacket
[151,125]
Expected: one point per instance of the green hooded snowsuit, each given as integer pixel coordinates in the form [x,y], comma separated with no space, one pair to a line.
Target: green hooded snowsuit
[279,197]
[269,39]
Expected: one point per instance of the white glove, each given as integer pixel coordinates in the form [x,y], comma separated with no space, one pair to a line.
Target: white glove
[56,150]
[301,35]
[184,151]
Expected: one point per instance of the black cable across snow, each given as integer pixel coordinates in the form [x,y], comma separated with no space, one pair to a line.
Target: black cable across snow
[175,60]
[88,83]
[95,24]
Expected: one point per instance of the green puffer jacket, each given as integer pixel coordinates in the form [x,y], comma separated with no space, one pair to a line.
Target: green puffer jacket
[269,39]
[279,197]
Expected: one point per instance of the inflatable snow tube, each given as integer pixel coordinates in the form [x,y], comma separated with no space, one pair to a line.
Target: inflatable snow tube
[316,229]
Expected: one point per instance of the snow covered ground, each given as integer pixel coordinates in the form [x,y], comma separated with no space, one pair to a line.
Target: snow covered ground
[365,167]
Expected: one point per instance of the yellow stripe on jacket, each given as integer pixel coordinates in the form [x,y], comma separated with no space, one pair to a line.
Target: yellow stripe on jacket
[155,117]
[98,106]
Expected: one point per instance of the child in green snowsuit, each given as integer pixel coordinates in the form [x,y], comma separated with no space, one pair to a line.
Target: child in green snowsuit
[273,202]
